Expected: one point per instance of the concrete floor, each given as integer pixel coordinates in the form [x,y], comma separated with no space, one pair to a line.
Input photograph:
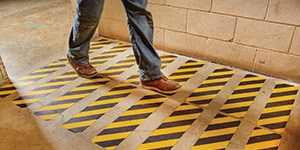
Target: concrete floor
[34,33]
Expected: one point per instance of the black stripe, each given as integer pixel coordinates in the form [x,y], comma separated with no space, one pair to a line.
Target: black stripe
[235,110]
[118,130]
[214,139]
[222,70]
[252,82]
[156,96]
[163,137]
[84,118]
[246,90]
[212,84]
[262,138]
[204,93]
[144,106]
[126,87]
[79,129]
[275,114]
[49,112]
[183,73]
[201,102]
[191,66]
[282,86]
[110,143]
[294,92]
[281,103]
[187,112]
[64,101]
[275,125]
[102,106]
[242,99]
[132,117]
[176,123]
[219,76]
[223,125]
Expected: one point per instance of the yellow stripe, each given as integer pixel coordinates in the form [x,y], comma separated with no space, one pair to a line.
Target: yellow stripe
[282,98]
[181,117]
[278,108]
[241,95]
[186,70]
[263,145]
[139,111]
[7,92]
[54,107]
[222,73]
[205,89]
[156,145]
[78,124]
[218,132]
[46,70]
[92,112]
[272,120]
[286,89]
[222,120]
[17,102]
[68,97]
[236,105]
[242,87]
[107,101]
[125,123]
[82,88]
[170,130]
[216,80]
[260,132]
[252,79]
[109,137]
[217,145]
[34,76]
[48,117]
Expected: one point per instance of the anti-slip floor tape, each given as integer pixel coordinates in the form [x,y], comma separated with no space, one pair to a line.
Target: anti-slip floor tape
[95,110]
[113,134]
[115,63]
[56,83]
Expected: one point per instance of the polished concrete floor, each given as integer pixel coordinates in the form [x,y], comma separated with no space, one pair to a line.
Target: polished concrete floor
[46,106]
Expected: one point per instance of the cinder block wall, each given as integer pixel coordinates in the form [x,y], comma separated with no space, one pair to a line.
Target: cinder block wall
[262,36]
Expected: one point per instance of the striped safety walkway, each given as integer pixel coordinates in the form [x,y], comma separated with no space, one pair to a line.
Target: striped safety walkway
[215,107]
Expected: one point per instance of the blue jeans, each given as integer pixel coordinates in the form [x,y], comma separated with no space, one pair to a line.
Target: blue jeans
[140,27]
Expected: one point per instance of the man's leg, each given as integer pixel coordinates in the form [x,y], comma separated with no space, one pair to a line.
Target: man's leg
[140,26]
[86,20]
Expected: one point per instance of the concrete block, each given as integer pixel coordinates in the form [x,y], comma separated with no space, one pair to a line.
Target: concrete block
[118,11]
[284,11]
[186,44]
[168,17]
[231,54]
[295,48]
[278,64]
[211,25]
[264,34]
[252,9]
[159,38]
[204,5]
[113,29]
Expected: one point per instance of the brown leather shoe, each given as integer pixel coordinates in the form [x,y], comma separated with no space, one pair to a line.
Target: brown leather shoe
[85,71]
[162,85]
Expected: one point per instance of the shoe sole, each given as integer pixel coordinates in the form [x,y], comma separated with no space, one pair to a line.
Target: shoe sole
[81,75]
[159,90]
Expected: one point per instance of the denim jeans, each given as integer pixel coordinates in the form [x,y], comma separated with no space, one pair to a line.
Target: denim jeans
[140,27]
